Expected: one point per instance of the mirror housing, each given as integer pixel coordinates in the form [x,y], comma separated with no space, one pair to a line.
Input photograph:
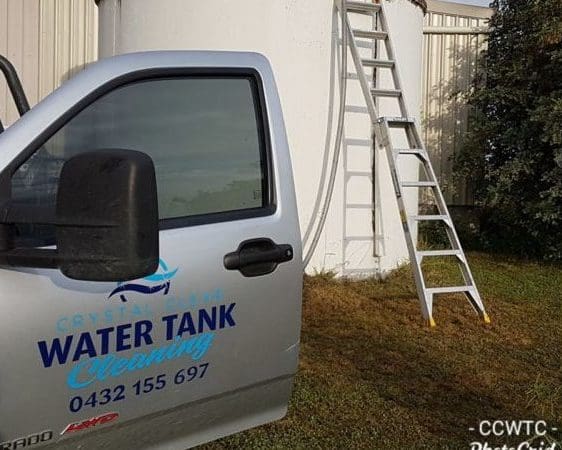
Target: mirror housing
[107,209]
[106,219]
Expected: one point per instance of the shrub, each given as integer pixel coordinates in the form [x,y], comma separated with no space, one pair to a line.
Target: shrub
[513,153]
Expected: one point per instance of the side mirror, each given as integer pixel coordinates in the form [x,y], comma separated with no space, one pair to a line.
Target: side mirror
[106,219]
[107,211]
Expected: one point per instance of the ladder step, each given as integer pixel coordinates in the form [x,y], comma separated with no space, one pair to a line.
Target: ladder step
[418,184]
[358,173]
[410,151]
[397,120]
[359,206]
[363,273]
[359,142]
[378,63]
[380,35]
[359,238]
[369,45]
[386,93]
[449,289]
[425,253]
[430,217]
[356,109]
[362,7]
[419,152]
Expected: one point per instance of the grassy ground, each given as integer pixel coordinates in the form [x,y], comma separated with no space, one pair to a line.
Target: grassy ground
[373,376]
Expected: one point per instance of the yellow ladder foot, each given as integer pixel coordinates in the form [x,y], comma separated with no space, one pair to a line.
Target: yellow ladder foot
[486,318]
[431,322]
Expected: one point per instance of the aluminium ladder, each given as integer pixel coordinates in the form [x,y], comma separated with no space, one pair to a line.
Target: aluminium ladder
[383,127]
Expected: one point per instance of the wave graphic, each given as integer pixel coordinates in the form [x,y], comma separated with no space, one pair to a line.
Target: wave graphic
[165,276]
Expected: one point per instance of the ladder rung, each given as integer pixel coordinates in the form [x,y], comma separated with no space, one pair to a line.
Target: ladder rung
[359,142]
[362,7]
[379,63]
[418,184]
[386,93]
[365,272]
[369,45]
[397,120]
[430,217]
[359,206]
[359,238]
[410,151]
[449,289]
[370,34]
[358,173]
[425,253]
[356,109]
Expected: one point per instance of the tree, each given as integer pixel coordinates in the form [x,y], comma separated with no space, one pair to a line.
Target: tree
[513,153]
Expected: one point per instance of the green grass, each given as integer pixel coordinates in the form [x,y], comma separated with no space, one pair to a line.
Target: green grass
[373,376]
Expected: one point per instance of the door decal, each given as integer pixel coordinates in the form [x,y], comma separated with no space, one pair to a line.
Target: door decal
[163,277]
[96,352]
[128,351]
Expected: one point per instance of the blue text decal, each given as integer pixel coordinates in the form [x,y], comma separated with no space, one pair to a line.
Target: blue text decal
[95,353]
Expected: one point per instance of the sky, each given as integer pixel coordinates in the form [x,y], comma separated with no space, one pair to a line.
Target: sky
[472,2]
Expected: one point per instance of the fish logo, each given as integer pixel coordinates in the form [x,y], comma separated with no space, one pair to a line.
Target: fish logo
[157,282]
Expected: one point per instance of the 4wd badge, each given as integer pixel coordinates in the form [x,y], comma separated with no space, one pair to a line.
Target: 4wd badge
[90,423]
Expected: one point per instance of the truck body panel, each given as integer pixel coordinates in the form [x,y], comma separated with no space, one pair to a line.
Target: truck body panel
[194,351]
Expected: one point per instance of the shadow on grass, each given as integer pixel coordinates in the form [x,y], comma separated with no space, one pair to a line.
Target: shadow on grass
[373,376]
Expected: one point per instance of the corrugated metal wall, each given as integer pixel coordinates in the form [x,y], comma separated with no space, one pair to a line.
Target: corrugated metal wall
[47,41]
[454,35]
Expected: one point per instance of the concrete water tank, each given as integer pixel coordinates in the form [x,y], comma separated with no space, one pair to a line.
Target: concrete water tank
[301,38]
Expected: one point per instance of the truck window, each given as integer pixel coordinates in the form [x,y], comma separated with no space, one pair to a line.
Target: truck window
[204,133]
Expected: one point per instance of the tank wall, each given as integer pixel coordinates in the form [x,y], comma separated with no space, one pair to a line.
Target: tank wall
[300,38]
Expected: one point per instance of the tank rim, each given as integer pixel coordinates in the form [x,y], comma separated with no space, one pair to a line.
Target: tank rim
[421,3]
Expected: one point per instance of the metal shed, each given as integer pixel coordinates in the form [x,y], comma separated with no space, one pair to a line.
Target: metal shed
[454,36]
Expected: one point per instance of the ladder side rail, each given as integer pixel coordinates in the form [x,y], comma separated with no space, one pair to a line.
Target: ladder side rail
[391,55]
[415,261]
[371,109]
[438,193]
[444,210]
[344,221]
[378,249]
[359,69]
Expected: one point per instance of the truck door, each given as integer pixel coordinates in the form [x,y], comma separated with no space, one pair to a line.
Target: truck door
[208,344]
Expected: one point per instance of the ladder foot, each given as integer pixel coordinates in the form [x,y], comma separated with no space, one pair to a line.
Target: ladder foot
[431,323]
[486,318]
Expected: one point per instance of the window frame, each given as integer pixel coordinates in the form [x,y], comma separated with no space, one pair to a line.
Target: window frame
[262,122]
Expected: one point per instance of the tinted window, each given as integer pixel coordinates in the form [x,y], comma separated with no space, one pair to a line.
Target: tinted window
[203,135]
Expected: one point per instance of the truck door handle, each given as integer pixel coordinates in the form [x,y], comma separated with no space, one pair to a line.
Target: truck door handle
[257,257]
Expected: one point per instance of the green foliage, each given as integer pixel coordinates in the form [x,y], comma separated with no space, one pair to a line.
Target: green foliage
[513,153]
